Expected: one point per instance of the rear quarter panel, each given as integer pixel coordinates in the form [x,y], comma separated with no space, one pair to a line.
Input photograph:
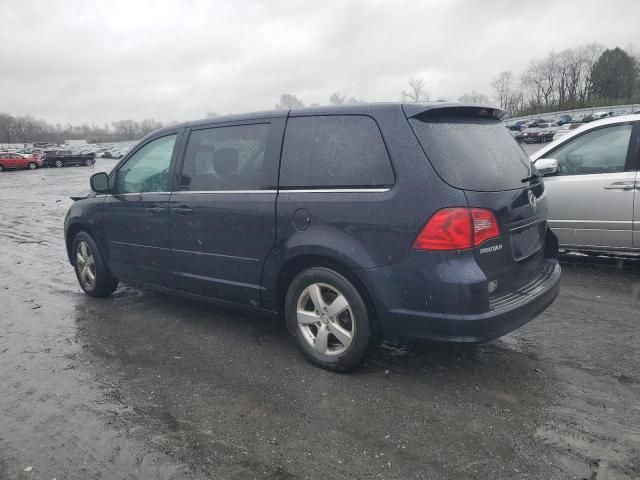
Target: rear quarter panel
[362,230]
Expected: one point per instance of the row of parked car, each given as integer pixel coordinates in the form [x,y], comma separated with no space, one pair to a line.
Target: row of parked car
[540,130]
[51,158]
[42,157]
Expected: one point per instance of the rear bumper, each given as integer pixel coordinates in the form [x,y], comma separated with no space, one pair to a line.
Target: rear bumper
[503,315]
[479,327]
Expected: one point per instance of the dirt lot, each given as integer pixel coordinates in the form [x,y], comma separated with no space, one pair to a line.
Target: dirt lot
[146,386]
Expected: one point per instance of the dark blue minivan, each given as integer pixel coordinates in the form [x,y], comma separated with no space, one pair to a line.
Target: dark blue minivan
[356,223]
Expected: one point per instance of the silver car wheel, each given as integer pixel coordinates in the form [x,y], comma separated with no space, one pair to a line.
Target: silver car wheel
[85,263]
[325,319]
[58,163]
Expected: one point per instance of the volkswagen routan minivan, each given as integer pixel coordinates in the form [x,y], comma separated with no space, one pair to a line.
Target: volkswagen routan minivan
[355,223]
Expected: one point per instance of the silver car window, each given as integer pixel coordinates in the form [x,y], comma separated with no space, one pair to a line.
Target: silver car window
[600,151]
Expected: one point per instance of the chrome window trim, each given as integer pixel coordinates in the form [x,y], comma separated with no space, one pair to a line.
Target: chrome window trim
[626,222]
[286,190]
[282,190]
[199,192]
[336,190]
[127,194]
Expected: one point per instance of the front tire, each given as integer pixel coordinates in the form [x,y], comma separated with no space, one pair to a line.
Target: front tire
[59,163]
[91,271]
[88,162]
[32,166]
[328,318]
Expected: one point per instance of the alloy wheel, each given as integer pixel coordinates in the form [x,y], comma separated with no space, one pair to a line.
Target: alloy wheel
[85,263]
[325,319]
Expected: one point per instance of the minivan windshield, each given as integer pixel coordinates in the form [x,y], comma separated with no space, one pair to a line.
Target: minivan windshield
[472,153]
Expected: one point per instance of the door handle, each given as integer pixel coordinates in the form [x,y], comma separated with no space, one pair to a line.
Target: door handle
[620,186]
[154,210]
[182,210]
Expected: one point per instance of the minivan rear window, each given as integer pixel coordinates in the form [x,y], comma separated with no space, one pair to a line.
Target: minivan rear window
[334,151]
[472,153]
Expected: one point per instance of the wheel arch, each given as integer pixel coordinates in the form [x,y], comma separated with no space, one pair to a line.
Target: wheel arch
[293,266]
[72,231]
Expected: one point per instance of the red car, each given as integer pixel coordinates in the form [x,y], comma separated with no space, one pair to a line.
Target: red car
[15,161]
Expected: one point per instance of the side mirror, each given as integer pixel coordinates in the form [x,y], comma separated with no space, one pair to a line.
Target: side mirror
[100,182]
[546,166]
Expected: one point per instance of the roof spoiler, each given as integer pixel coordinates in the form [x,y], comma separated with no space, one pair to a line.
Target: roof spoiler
[453,108]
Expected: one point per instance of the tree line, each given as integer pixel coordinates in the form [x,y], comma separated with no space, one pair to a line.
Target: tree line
[583,77]
[27,129]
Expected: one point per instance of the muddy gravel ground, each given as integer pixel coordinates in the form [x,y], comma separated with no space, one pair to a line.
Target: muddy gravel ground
[142,385]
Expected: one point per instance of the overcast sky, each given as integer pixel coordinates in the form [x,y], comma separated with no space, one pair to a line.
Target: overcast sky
[101,61]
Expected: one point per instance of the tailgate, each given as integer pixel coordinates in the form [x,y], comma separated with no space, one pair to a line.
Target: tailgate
[515,257]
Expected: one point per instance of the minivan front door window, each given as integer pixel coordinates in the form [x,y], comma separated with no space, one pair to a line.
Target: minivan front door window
[148,169]
[601,151]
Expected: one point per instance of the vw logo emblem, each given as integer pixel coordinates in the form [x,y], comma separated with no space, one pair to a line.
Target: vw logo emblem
[533,201]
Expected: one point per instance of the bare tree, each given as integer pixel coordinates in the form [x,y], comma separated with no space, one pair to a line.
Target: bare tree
[211,114]
[416,92]
[637,77]
[589,55]
[549,68]
[127,129]
[288,100]
[149,125]
[336,99]
[354,101]
[501,85]
[6,127]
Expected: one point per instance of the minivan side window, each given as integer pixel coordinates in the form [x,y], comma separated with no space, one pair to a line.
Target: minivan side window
[147,170]
[334,151]
[600,151]
[226,158]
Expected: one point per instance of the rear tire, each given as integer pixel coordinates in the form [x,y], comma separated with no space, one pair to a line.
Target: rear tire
[88,162]
[328,318]
[59,163]
[32,166]
[91,271]
[1,168]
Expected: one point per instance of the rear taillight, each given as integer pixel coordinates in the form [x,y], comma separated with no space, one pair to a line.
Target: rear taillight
[457,229]
[485,225]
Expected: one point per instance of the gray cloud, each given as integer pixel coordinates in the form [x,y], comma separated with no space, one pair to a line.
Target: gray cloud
[77,61]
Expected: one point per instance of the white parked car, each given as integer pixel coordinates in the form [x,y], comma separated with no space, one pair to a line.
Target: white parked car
[591,177]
